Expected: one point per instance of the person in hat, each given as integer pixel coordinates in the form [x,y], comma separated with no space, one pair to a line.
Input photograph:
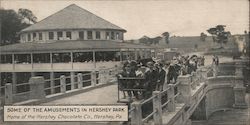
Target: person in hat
[128,84]
[160,77]
[150,80]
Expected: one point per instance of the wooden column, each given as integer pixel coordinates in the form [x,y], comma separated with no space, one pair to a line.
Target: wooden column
[63,84]
[157,106]
[37,87]
[136,115]
[51,60]
[71,59]
[94,59]
[72,80]
[31,60]
[8,94]
[13,61]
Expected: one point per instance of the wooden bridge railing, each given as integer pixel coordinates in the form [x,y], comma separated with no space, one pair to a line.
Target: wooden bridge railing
[180,92]
[37,87]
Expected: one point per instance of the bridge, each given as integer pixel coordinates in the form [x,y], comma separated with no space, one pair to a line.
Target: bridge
[193,99]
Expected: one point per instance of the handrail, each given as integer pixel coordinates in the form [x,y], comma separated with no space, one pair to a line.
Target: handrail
[176,95]
[131,78]
[149,116]
[164,91]
[88,80]
[86,74]
[149,99]
[164,104]
[22,84]
[131,109]
[22,93]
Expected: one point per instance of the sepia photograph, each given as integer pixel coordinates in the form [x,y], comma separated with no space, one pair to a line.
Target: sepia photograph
[124,62]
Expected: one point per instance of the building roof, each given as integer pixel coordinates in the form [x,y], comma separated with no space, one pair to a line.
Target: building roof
[69,46]
[72,17]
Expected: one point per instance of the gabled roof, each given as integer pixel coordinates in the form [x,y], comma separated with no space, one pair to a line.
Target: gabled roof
[72,17]
[69,46]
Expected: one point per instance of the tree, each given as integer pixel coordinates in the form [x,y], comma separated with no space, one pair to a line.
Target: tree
[11,25]
[203,37]
[166,37]
[27,14]
[219,34]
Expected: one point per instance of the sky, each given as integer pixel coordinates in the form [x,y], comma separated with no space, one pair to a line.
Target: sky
[152,17]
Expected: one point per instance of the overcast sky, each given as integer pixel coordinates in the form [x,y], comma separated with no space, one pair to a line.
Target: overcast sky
[151,18]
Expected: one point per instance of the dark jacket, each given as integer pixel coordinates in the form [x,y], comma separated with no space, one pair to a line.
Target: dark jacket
[150,80]
[161,76]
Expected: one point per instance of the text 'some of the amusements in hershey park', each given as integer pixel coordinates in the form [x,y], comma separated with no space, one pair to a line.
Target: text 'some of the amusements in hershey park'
[66,113]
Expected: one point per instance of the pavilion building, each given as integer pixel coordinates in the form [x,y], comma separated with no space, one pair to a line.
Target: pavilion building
[71,41]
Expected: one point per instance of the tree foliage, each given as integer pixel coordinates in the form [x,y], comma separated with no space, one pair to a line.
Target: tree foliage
[11,24]
[219,34]
[203,37]
[166,37]
[27,14]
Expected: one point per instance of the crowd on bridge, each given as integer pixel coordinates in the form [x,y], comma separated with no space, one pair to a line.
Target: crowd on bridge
[139,79]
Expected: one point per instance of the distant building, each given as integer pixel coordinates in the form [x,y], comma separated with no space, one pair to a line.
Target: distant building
[71,41]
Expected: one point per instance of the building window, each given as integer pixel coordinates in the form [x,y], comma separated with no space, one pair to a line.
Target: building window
[41,58]
[81,35]
[89,33]
[6,59]
[68,35]
[51,35]
[59,36]
[40,36]
[107,35]
[34,36]
[112,35]
[98,35]
[117,36]
[29,37]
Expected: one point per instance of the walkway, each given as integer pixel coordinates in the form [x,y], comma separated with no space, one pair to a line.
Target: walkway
[103,95]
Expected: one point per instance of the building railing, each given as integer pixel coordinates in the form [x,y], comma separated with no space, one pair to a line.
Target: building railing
[37,88]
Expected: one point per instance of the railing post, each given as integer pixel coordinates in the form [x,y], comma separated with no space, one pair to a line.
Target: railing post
[8,94]
[63,84]
[192,84]
[184,88]
[37,87]
[136,114]
[157,106]
[203,74]
[93,78]
[52,82]
[215,70]
[171,104]
[103,76]
[72,80]
[79,80]
[194,80]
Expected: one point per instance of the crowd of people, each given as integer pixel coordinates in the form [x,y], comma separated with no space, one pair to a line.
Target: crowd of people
[144,79]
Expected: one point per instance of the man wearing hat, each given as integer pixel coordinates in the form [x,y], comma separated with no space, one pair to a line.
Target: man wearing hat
[161,77]
[150,80]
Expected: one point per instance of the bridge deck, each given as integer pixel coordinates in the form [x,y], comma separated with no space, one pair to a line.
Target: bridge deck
[103,95]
